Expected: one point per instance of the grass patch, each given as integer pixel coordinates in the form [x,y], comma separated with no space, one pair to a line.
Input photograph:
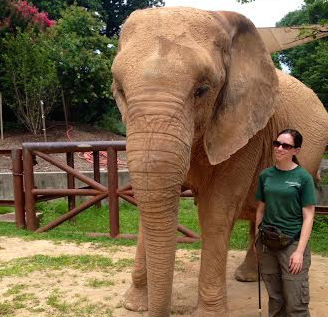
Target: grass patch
[19,300]
[239,236]
[7,309]
[6,210]
[96,220]
[84,263]
[54,300]
[57,304]
[81,307]
[123,263]
[324,179]
[15,289]
[91,220]
[319,235]
[95,283]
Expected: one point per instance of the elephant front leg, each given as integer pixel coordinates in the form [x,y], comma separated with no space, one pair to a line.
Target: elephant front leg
[247,271]
[136,297]
[212,298]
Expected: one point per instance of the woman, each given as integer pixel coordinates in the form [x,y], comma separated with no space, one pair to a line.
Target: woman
[286,199]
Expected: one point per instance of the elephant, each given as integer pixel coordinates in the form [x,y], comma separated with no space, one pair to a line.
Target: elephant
[202,103]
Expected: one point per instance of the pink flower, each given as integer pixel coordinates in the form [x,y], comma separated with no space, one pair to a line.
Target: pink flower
[31,14]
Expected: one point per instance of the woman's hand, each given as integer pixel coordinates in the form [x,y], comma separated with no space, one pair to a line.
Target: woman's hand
[255,253]
[296,262]
[259,216]
[296,259]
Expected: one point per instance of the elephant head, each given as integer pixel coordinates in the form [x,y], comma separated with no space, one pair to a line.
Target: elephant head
[184,77]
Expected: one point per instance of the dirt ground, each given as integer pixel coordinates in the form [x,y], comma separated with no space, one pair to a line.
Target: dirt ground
[69,285]
[57,132]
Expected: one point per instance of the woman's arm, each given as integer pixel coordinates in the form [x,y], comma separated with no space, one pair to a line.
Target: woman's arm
[259,215]
[296,259]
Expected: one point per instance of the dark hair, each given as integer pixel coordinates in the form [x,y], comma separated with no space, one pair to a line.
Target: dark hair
[298,140]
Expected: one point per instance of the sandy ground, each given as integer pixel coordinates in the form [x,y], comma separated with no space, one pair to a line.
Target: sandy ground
[73,286]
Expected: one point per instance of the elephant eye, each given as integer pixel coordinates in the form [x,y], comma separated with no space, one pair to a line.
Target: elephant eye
[201,91]
[121,92]
[119,95]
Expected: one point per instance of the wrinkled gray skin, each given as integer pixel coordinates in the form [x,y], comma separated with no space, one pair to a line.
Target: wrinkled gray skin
[202,103]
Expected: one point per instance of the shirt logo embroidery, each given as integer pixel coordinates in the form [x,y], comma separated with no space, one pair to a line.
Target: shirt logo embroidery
[293,184]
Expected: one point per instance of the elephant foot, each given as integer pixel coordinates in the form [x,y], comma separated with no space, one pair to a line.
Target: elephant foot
[136,298]
[247,271]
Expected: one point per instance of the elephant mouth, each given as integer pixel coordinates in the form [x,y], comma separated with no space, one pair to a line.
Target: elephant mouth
[159,168]
[159,145]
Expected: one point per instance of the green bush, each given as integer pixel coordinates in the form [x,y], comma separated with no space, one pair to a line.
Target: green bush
[112,121]
[83,59]
[30,76]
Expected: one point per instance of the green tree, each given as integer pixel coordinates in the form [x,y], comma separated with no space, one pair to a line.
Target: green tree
[112,12]
[22,15]
[83,60]
[116,11]
[307,62]
[317,73]
[5,9]
[55,8]
[275,59]
[17,17]
[30,76]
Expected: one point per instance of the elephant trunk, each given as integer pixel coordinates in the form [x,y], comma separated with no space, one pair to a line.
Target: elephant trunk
[158,163]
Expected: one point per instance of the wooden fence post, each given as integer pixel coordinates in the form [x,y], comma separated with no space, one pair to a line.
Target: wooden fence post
[1,121]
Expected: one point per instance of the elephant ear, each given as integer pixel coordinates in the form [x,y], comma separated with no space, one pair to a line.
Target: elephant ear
[247,99]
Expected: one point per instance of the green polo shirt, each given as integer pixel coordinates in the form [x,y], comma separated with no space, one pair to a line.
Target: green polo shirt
[285,193]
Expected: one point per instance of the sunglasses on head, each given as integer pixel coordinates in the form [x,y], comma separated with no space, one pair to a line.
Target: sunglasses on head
[285,146]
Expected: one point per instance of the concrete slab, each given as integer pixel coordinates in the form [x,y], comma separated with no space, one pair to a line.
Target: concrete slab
[10,217]
[56,180]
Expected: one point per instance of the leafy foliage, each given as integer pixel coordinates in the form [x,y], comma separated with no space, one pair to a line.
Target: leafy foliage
[78,49]
[111,120]
[5,10]
[275,59]
[55,8]
[17,17]
[112,12]
[316,76]
[308,62]
[30,76]
[116,11]
[22,15]
[83,59]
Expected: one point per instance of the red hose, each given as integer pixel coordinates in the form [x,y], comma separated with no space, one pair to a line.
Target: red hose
[68,131]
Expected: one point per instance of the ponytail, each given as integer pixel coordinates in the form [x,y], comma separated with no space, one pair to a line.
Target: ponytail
[295,160]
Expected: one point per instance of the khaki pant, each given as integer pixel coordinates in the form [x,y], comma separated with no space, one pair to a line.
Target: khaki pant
[288,294]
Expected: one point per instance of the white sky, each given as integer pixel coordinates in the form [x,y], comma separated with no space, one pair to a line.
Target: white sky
[261,12]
